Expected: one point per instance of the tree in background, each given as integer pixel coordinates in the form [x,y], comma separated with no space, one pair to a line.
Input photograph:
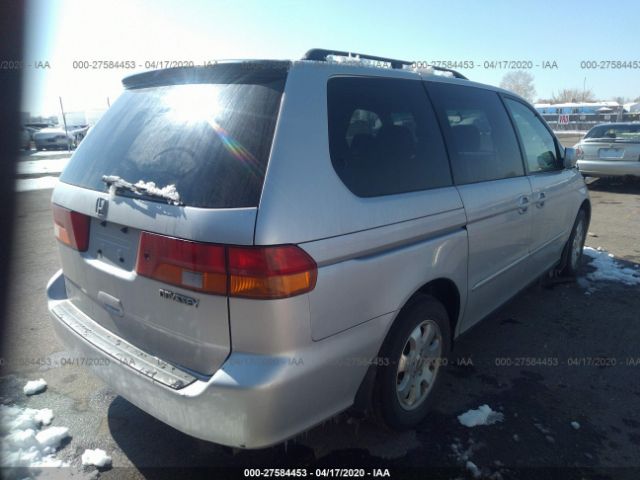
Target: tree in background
[621,100]
[520,82]
[573,95]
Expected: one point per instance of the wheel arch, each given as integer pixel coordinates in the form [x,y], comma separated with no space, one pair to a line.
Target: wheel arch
[446,292]
[442,289]
[586,206]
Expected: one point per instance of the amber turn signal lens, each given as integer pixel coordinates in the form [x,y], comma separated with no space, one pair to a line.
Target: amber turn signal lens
[270,272]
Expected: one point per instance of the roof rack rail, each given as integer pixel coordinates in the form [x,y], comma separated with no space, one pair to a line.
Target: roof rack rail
[320,54]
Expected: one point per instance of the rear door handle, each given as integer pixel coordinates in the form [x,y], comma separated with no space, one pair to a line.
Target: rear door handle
[541,199]
[523,204]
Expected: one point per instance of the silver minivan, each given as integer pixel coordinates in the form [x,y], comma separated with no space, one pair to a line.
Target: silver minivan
[256,246]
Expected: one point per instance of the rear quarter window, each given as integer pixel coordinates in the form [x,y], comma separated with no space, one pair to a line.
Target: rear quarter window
[383,136]
[211,140]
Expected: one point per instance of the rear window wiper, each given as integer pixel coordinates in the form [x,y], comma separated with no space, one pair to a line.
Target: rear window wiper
[141,188]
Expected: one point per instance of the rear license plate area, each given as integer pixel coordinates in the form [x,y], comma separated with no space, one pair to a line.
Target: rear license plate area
[611,153]
[114,244]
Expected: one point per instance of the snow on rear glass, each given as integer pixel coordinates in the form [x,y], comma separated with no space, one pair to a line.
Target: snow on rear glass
[211,141]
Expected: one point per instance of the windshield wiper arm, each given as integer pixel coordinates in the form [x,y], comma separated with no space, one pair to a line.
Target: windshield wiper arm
[149,189]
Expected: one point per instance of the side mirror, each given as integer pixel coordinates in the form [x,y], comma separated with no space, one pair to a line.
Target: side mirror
[570,157]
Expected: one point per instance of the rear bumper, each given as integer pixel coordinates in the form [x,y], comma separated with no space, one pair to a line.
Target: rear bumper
[612,168]
[252,401]
[52,144]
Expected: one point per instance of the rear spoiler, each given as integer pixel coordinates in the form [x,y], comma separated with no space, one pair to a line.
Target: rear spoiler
[253,72]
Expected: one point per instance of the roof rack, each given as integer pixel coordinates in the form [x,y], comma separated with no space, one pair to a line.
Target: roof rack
[321,54]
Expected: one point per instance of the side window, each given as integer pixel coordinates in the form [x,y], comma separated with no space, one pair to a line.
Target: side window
[384,137]
[538,144]
[482,143]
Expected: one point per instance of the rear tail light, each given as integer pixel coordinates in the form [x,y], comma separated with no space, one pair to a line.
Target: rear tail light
[270,272]
[249,272]
[71,228]
[579,153]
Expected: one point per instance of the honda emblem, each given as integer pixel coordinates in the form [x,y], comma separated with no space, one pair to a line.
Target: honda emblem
[102,206]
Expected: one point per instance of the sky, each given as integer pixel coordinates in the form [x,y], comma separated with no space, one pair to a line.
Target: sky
[542,32]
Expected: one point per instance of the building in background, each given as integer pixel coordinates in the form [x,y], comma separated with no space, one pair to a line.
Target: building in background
[583,116]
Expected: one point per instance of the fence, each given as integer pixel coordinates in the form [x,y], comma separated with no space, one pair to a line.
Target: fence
[585,122]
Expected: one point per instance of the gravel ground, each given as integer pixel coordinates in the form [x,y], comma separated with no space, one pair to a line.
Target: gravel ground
[559,322]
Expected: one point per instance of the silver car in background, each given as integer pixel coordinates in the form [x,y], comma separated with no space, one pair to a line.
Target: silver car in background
[610,150]
[55,138]
[257,246]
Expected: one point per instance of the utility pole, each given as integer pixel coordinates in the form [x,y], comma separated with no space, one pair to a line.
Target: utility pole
[64,120]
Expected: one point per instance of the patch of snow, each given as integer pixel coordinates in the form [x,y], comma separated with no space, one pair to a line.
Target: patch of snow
[586,285]
[97,458]
[52,436]
[473,468]
[483,415]
[22,442]
[575,425]
[357,61]
[608,269]
[428,70]
[40,183]
[50,153]
[44,416]
[35,386]
[31,167]
[16,418]
[461,454]
[570,132]
[169,192]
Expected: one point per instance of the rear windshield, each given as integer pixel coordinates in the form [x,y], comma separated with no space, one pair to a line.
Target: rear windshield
[211,140]
[629,133]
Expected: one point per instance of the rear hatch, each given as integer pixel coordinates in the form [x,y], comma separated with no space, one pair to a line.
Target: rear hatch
[198,140]
[617,142]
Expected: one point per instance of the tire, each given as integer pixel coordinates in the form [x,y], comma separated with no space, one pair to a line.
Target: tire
[572,253]
[402,397]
